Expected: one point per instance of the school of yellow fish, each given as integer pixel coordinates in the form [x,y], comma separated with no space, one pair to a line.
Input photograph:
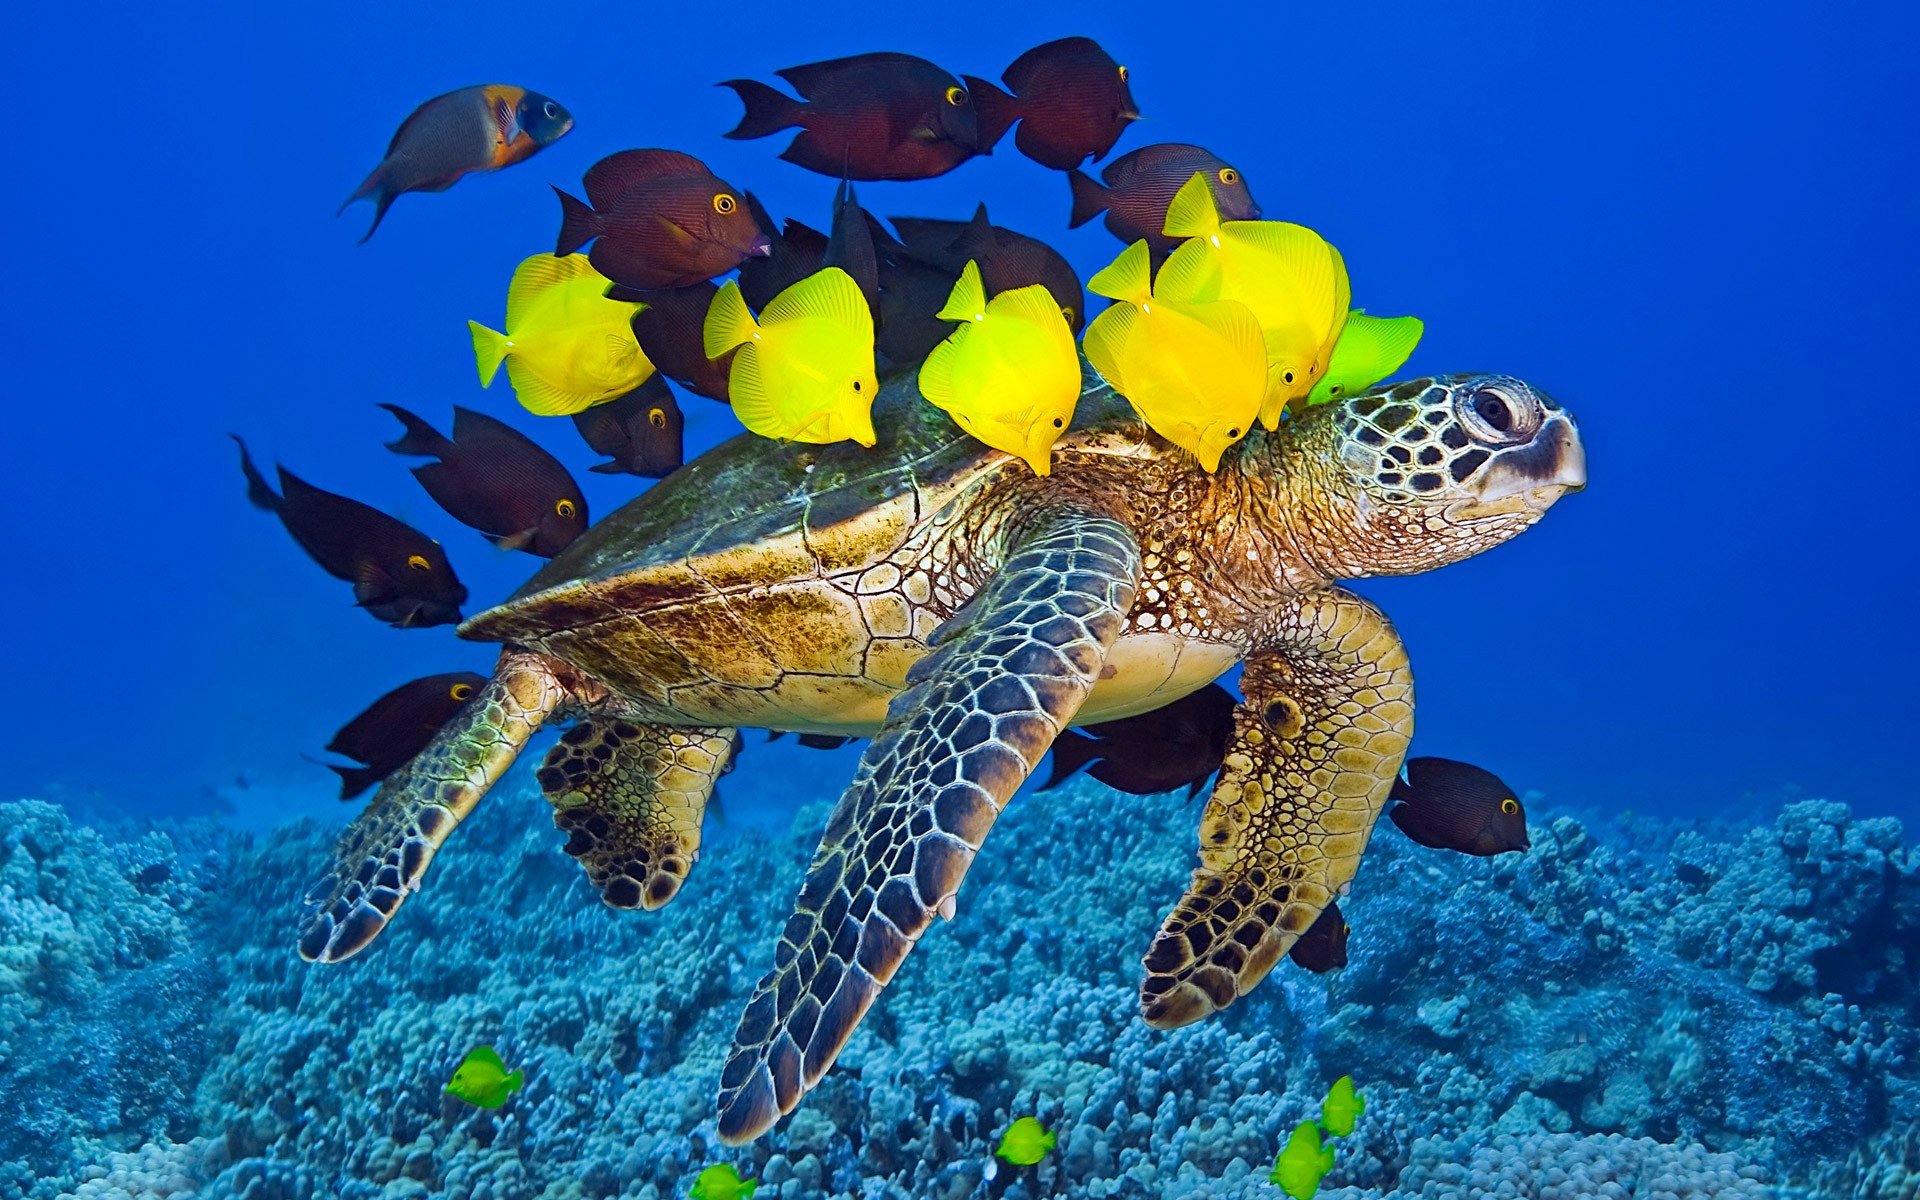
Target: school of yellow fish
[1243,322]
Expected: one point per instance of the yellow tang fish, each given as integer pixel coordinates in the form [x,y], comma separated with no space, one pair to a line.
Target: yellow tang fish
[1010,375]
[1369,350]
[1025,1142]
[1292,279]
[482,1079]
[1195,372]
[804,372]
[567,347]
[1304,1162]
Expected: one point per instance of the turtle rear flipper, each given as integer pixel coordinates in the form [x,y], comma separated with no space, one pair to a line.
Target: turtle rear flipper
[1005,676]
[383,854]
[630,798]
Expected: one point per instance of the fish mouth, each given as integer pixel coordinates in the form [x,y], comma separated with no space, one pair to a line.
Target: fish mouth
[760,247]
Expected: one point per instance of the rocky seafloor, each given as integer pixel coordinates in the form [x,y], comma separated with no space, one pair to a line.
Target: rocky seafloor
[1631,1009]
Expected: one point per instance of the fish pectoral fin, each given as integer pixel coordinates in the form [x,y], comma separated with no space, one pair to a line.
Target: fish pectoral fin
[676,233]
[517,541]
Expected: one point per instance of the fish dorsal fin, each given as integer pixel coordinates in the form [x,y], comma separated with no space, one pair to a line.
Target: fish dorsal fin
[614,174]
[968,300]
[1386,342]
[1032,303]
[1128,278]
[488,1056]
[1343,291]
[1193,212]
[1240,328]
[1191,274]
[1310,268]
[828,294]
[728,322]
[539,275]
[1106,340]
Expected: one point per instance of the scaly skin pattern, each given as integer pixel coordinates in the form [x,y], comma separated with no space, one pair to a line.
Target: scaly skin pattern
[631,799]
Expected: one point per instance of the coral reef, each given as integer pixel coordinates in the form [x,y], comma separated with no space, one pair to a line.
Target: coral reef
[1627,1010]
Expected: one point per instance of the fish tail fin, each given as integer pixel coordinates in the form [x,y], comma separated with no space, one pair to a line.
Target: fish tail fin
[382,201]
[514,1081]
[1089,198]
[1193,212]
[579,224]
[489,351]
[995,110]
[728,322]
[968,300]
[420,437]
[258,492]
[768,111]
[1072,750]
[354,780]
[1128,278]
[368,186]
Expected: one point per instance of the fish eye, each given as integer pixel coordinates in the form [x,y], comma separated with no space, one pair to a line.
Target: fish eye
[856,385]
[1123,74]
[956,96]
[657,417]
[1234,432]
[1229,176]
[460,691]
[1059,423]
[724,204]
[419,562]
[1067,312]
[1345,929]
[565,507]
[1336,389]
[551,109]
[1509,806]
[1287,378]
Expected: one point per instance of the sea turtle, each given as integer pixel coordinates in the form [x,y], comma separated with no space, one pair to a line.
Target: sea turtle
[942,598]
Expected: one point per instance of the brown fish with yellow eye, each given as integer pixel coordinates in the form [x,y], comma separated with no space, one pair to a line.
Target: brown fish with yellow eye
[669,330]
[398,726]
[658,219]
[1450,805]
[1323,947]
[1179,745]
[1071,98]
[1140,186]
[1007,260]
[479,128]
[642,432]
[399,575]
[871,116]
[496,479]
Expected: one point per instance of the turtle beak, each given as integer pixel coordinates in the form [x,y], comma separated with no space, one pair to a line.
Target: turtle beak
[1530,478]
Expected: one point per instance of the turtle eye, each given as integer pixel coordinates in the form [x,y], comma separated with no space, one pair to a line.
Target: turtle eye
[419,562]
[724,204]
[1229,176]
[657,417]
[565,508]
[460,691]
[1123,74]
[1492,414]
[1509,806]
[956,96]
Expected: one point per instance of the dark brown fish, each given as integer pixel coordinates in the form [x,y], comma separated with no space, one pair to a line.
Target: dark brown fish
[668,330]
[1179,745]
[912,293]
[872,116]
[1456,806]
[479,128]
[399,575]
[398,726]
[812,741]
[851,245]
[658,219]
[642,432]
[1323,947]
[794,253]
[1140,186]
[1071,98]
[496,479]
[1007,259]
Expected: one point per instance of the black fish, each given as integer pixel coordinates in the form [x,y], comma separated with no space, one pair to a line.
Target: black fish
[872,116]
[1179,745]
[851,245]
[912,293]
[658,219]
[796,252]
[1007,259]
[398,726]
[399,574]
[496,479]
[642,431]
[1456,806]
[1140,186]
[1071,99]
[1323,947]
[812,741]
[479,128]
[668,330]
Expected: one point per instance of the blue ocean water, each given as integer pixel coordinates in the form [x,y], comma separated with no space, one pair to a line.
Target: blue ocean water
[1693,226]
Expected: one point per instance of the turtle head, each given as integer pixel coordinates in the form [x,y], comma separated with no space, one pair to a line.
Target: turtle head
[1441,469]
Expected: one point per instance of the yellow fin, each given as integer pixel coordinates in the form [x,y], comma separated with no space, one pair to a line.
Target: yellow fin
[1128,278]
[828,294]
[1193,212]
[1303,259]
[1191,274]
[1106,338]
[968,300]
[1033,304]
[536,276]
[1343,292]
[747,390]
[542,398]
[728,322]
[489,348]
[936,373]
[1237,324]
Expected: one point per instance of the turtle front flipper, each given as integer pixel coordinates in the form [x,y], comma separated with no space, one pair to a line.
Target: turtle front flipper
[631,798]
[1315,747]
[1005,675]
[383,854]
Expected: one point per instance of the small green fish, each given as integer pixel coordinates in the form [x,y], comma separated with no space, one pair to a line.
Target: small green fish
[1025,1142]
[1341,1107]
[722,1182]
[1369,350]
[1303,1163]
[482,1079]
